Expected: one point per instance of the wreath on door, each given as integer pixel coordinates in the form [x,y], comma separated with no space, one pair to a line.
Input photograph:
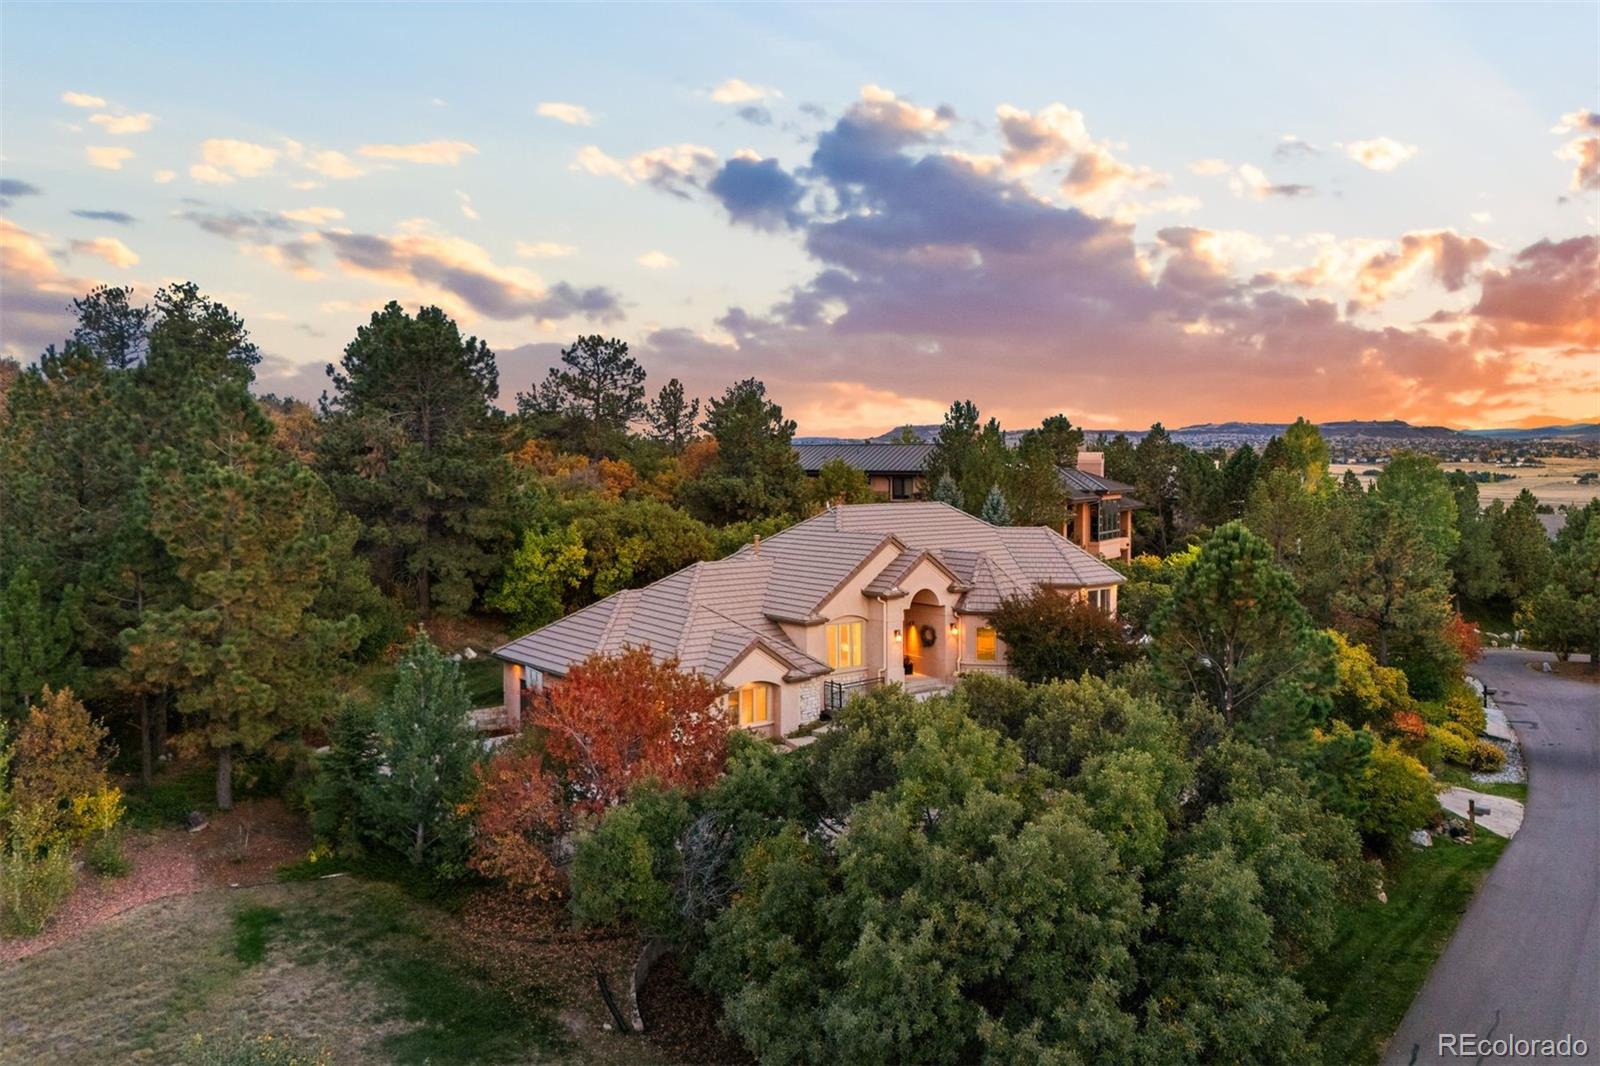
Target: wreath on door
[928,635]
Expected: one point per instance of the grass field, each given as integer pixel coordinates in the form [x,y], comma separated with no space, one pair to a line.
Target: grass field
[352,969]
[1383,952]
[1555,483]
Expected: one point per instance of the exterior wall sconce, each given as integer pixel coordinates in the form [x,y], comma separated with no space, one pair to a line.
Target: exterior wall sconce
[955,628]
[897,636]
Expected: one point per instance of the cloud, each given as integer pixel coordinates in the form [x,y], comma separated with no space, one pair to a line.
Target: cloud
[1549,297]
[1035,140]
[108,158]
[571,114]
[162,177]
[656,260]
[543,250]
[1581,121]
[73,99]
[1250,181]
[11,188]
[676,169]
[122,124]
[1290,148]
[465,271]
[1209,168]
[275,238]
[110,249]
[1583,151]
[734,91]
[755,114]
[314,216]
[223,161]
[324,162]
[1380,153]
[435,153]
[466,205]
[757,192]
[121,218]
[34,293]
[933,265]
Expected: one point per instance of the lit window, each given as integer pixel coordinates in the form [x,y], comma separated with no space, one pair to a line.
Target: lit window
[986,643]
[844,645]
[753,702]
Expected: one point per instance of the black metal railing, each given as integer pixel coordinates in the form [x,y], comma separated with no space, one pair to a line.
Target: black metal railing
[835,694]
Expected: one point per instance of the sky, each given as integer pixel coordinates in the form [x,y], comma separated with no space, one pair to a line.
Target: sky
[1121,213]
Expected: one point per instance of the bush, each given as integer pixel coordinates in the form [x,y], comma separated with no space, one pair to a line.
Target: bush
[32,886]
[1464,706]
[1457,729]
[1452,748]
[1485,758]
[1398,794]
[1053,637]
[104,853]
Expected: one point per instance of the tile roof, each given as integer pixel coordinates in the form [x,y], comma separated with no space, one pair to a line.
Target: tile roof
[711,614]
[905,459]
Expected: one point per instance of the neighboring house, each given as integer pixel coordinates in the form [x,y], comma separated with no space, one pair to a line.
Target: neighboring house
[1101,515]
[895,470]
[857,596]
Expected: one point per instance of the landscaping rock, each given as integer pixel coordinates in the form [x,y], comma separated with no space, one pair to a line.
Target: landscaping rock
[196,821]
[1422,838]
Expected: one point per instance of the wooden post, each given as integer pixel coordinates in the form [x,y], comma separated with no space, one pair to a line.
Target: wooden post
[1473,810]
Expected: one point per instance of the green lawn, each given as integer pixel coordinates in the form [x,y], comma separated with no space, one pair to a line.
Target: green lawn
[481,675]
[1455,775]
[1383,952]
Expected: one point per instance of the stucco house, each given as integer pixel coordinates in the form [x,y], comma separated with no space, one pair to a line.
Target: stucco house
[857,596]
[894,470]
[1100,518]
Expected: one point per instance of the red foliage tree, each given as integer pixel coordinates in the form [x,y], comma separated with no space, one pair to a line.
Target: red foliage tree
[616,719]
[588,738]
[1465,638]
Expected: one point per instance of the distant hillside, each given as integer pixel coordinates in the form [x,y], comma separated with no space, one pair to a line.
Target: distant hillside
[1390,429]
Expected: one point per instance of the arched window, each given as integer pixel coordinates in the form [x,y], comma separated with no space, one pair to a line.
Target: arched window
[753,702]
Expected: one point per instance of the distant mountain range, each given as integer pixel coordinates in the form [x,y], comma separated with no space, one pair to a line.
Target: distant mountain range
[1392,429]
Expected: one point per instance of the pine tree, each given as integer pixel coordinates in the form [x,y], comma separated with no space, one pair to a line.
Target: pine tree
[995,511]
[39,641]
[945,490]
[598,393]
[672,416]
[411,448]
[754,473]
[244,649]
[423,738]
[1524,549]
[1396,589]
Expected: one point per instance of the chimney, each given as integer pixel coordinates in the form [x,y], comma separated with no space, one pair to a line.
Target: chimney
[1092,463]
[756,546]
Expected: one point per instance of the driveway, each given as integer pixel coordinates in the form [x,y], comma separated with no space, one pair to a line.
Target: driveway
[1525,960]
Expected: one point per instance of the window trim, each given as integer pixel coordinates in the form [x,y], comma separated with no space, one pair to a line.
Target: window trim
[977,644]
[1101,531]
[735,703]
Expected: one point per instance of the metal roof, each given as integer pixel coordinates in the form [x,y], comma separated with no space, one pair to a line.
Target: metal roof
[711,614]
[1086,486]
[904,459]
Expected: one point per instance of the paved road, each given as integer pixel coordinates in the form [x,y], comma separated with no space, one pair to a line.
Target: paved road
[1525,960]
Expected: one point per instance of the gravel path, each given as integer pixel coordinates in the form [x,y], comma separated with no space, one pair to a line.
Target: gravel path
[163,865]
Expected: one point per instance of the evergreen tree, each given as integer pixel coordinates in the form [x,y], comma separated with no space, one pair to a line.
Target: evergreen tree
[1564,615]
[597,394]
[974,455]
[411,448]
[945,490]
[995,510]
[1060,437]
[1396,589]
[1524,548]
[1034,492]
[422,736]
[1155,462]
[755,473]
[1476,562]
[1234,634]
[1238,477]
[1413,482]
[672,416]
[39,643]
[249,658]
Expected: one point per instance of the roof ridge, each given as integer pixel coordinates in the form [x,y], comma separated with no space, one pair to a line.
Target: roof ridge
[697,569]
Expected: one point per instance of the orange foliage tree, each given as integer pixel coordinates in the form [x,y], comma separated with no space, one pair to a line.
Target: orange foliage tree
[613,721]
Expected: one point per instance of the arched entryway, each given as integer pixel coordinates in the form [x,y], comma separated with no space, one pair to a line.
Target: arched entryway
[929,649]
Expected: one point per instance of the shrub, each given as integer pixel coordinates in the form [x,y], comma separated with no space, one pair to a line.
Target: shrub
[103,854]
[1464,707]
[1460,730]
[1398,796]
[1053,637]
[32,886]
[1485,758]
[1452,747]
